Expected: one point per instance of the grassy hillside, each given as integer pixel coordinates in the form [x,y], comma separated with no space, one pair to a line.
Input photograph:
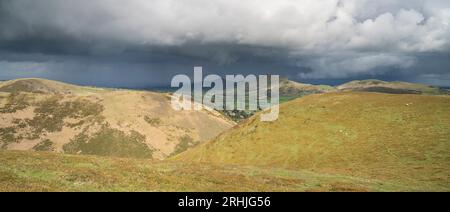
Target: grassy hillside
[44,115]
[32,171]
[395,138]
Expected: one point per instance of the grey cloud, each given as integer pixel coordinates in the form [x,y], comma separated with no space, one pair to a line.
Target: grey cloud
[307,39]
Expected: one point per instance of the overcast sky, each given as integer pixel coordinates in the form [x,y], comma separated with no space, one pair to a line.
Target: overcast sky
[137,43]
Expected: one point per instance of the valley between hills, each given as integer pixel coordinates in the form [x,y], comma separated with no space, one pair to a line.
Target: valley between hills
[361,136]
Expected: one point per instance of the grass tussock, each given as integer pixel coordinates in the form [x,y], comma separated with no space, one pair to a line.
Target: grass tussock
[153,121]
[44,146]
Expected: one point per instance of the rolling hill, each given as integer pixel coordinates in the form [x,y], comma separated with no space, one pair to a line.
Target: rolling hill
[394,138]
[290,88]
[392,87]
[331,139]
[44,115]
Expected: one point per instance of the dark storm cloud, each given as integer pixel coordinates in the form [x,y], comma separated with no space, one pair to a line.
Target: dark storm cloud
[144,42]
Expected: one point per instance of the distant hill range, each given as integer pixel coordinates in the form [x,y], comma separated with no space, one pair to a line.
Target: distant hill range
[44,115]
[392,87]
[291,88]
[295,89]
